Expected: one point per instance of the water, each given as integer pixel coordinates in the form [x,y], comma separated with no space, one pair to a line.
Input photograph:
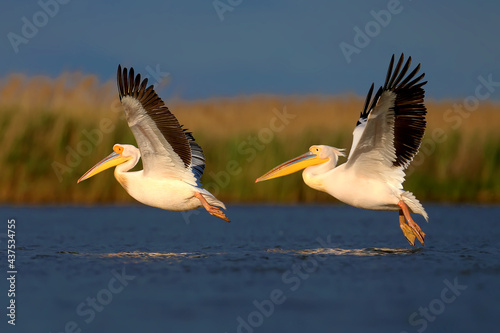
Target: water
[273,269]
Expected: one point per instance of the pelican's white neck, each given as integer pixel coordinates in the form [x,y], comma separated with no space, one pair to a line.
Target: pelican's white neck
[121,170]
[314,176]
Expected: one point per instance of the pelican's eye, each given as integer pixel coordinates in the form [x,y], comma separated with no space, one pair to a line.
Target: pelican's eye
[118,149]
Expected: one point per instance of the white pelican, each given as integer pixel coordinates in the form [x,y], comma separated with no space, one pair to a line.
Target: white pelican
[173,163]
[385,140]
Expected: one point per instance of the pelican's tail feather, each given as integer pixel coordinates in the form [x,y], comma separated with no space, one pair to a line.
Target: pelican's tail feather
[212,200]
[415,206]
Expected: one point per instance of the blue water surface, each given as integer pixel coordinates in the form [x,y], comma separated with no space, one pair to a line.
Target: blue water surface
[273,269]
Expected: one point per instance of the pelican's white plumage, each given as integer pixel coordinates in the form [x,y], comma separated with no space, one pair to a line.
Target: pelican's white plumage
[385,140]
[173,162]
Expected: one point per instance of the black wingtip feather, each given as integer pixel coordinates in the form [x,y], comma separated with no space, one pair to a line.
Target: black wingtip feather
[410,76]
[119,79]
[389,71]
[396,71]
[403,72]
[364,113]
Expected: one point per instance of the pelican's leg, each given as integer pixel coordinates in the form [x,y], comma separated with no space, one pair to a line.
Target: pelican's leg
[415,228]
[211,209]
[407,231]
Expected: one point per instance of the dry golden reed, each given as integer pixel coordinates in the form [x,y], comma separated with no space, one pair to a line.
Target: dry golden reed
[54,129]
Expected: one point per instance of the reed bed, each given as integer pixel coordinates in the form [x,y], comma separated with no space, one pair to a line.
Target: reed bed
[54,129]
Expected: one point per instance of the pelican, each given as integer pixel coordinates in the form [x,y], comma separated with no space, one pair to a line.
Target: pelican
[386,138]
[173,162]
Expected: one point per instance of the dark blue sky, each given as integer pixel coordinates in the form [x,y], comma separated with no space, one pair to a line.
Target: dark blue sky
[278,47]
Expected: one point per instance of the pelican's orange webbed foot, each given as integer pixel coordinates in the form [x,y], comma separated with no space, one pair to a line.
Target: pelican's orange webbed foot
[212,210]
[407,231]
[411,224]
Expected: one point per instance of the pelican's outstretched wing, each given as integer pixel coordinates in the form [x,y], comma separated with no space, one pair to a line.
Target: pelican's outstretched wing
[166,148]
[391,125]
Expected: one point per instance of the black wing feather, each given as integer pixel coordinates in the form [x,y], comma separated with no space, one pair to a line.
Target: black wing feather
[365,112]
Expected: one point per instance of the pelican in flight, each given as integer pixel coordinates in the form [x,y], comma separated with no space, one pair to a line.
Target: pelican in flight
[386,138]
[173,162]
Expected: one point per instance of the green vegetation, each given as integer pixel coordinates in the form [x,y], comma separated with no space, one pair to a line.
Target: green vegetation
[53,130]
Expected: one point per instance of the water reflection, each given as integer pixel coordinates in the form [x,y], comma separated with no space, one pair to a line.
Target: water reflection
[141,256]
[137,256]
[353,252]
